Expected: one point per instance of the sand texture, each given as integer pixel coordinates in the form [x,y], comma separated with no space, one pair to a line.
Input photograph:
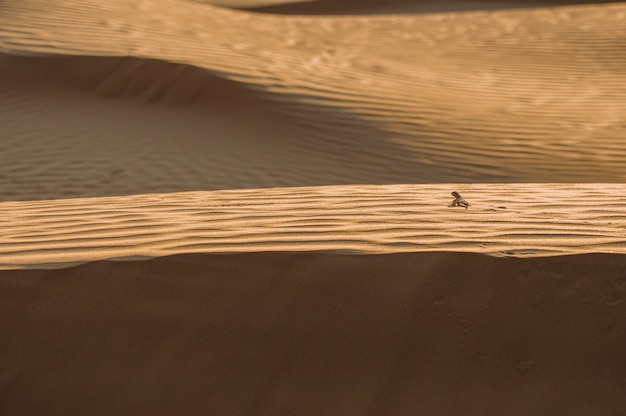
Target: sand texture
[241,208]
[503,220]
[125,97]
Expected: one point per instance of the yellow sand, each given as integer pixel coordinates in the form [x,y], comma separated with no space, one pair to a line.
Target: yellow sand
[126,97]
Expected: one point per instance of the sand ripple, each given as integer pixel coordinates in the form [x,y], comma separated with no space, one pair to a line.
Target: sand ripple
[503,220]
[123,97]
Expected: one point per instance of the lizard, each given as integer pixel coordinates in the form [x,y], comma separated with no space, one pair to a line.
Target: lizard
[458,201]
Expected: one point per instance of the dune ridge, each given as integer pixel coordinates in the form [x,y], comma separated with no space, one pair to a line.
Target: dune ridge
[503,220]
[442,97]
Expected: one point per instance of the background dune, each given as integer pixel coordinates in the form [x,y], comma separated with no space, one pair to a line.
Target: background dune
[160,96]
[312,334]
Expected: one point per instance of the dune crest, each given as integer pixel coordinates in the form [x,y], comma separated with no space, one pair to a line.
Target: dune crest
[503,220]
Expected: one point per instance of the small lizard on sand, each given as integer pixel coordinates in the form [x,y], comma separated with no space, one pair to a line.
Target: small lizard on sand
[458,201]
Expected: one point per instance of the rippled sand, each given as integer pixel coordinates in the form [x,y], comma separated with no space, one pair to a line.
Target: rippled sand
[503,220]
[129,97]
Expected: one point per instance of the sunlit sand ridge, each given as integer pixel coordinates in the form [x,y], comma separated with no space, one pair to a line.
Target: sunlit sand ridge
[156,96]
[503,219]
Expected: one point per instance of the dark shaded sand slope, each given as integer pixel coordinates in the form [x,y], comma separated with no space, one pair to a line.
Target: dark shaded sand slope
[389,6]
[317,334]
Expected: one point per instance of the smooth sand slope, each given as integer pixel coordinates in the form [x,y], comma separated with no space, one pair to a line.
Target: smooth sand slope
[354,7]
[129,97]
[503,220]
[315,334]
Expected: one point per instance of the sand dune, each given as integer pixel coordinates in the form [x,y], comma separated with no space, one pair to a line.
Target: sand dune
[161,96]
[503,220]
[312,334]
[280,181]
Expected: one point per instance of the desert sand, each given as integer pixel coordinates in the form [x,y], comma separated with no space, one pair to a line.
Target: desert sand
[522,220]
[316,334]
[129,97]
[240,207]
